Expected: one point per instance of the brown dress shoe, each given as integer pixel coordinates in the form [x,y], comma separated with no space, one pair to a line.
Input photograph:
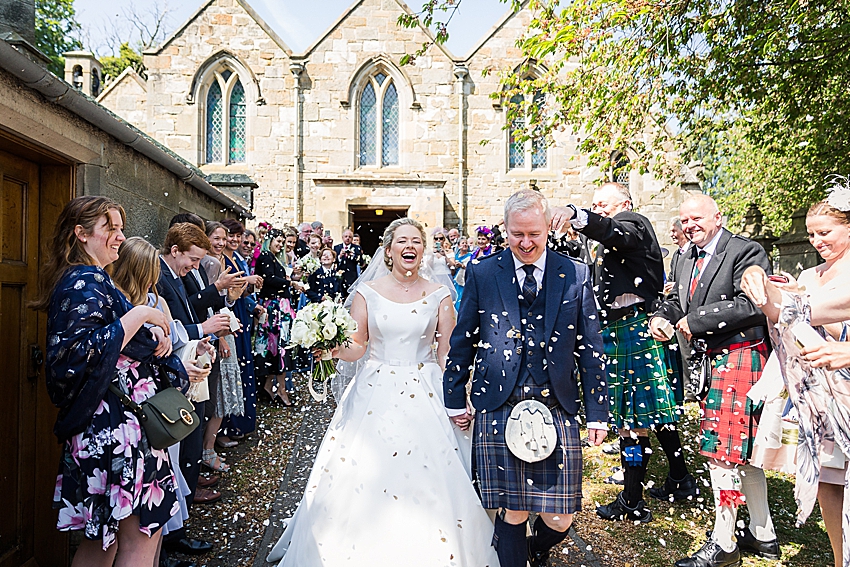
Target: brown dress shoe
[208,481]
[206,496]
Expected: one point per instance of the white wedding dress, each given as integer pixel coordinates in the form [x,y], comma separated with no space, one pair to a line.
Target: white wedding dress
[391,482]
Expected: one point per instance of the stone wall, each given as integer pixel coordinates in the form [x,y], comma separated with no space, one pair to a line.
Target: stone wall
[175,117]
[445,174]
[127,97]
[150,193]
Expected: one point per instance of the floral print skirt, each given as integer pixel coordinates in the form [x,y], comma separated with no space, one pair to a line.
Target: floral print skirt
[109,471]
[270,355]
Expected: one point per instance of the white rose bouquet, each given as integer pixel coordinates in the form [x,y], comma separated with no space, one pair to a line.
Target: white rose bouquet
[308,265]
[322,326]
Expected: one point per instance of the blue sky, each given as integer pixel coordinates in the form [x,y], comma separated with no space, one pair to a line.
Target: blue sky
[298,22]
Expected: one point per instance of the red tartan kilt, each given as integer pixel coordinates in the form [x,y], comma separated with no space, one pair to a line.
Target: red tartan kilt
[729,418]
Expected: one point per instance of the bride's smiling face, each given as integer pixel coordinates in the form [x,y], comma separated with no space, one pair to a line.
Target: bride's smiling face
[407,248]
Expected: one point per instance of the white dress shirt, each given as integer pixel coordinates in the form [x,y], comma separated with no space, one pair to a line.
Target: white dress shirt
[175,276]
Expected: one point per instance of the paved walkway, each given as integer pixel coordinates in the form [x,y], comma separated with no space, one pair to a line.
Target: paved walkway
[574,553]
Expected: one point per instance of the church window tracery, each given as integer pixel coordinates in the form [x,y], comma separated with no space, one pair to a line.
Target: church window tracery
[378,121]
[225,118]
[534,150]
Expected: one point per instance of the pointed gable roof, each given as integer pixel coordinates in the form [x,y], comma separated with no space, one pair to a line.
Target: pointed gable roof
[245,6]
[349,11]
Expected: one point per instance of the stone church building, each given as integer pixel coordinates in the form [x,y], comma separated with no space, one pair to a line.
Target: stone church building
[342,133]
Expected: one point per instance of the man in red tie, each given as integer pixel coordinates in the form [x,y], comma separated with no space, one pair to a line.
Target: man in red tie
[708,306]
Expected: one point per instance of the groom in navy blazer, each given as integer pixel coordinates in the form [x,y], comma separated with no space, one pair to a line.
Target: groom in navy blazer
[528,329]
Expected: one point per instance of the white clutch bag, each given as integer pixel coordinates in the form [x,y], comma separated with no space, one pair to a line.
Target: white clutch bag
[198,391]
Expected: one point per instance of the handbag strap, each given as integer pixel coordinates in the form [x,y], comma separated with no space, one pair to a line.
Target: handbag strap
[126,400]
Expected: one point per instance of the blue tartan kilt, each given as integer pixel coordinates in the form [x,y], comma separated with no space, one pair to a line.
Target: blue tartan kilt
[552,485]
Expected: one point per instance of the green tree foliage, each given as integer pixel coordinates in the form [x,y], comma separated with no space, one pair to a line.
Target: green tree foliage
[756,89]
[127,57]
[55,26]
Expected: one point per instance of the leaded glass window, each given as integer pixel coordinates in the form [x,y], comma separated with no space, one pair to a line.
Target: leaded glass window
[237,123]
[620,169]
[226,119]
[534,150]
[517,147]
[389,127]
[379,122]
[368,125]
[215,122]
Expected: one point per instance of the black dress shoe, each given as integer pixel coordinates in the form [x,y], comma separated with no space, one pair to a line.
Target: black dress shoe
[673,491]
[748,543]
[619,510]
[712,555]
[537,558]
[189,546]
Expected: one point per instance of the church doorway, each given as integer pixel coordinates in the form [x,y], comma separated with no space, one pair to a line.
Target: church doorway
[371,221]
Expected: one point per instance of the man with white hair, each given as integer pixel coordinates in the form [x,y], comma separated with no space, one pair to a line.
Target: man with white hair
[527,326]
[629,279]
[348,256]
[709,307]
[305,229]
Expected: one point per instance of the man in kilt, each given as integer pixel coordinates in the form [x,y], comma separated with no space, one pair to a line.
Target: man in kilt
[629,281]
[707,304]
[527,326]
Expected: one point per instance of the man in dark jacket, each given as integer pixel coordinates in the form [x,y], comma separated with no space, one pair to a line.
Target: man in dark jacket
[629,277]
[707,305]
[348,257]
[185,245]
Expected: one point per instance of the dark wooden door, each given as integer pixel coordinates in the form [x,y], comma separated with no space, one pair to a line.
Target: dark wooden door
[22,496]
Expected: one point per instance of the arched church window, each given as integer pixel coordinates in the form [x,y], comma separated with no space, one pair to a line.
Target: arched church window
[533,151]
[621,169]
[95,83]
[77,77]
[237,124]
[379,122]
[225,118]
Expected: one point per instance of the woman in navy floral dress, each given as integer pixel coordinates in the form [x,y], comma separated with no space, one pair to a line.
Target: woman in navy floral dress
[111,483]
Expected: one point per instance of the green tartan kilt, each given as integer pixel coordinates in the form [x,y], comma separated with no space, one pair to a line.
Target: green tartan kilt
[639,377]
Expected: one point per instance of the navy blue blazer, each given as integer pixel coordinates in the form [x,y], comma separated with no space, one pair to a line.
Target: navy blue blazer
[177,301]
[203,300]
[488,333]
[322,284]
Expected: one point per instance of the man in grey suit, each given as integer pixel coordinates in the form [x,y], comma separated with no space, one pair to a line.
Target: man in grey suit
[528,327]
[707,305]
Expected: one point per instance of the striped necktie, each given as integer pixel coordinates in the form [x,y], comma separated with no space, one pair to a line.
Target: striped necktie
[697,273]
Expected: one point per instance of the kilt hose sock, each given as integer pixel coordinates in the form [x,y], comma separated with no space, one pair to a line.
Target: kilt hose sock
[733,486]
[668,437]
[725,481]
[634,458]
[754,487]
[544,538]
[509,541]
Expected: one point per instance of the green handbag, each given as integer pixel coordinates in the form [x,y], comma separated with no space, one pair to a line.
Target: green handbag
[167,417]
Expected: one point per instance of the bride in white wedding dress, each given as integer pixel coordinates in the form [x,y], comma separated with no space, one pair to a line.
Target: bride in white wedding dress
[391,482]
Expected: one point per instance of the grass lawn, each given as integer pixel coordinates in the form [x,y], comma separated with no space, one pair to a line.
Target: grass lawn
[679,529]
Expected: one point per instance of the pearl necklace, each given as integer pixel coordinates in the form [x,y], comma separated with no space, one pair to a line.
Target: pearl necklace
[405,287]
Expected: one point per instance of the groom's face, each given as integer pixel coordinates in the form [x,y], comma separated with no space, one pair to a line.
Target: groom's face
[527,233]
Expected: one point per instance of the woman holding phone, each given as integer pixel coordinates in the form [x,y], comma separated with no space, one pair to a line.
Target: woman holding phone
[829,232]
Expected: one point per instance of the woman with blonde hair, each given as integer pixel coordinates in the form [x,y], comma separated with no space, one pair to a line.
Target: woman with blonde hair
[828,225]
[226,389]
[112,484]
[135,273]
